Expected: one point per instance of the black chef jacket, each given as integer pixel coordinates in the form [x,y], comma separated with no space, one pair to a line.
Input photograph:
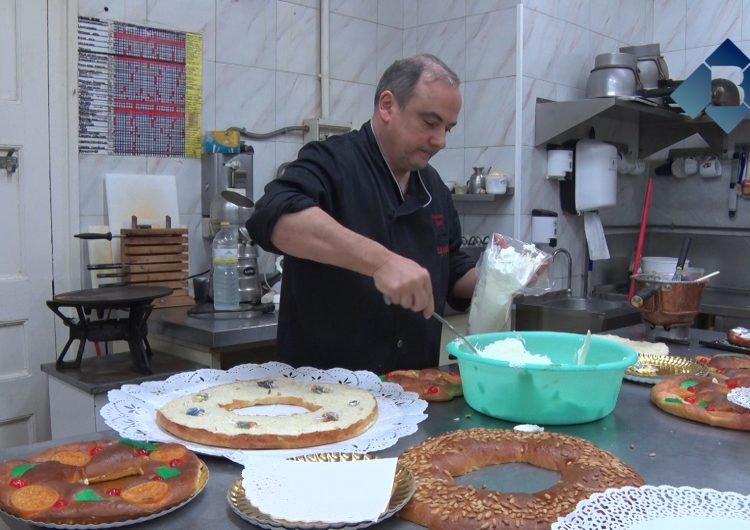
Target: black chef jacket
[331,317]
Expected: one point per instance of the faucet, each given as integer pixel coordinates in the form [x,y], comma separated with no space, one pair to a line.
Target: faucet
[570,266]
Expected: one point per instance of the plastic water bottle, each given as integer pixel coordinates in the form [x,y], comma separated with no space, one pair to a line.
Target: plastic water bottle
[226,282]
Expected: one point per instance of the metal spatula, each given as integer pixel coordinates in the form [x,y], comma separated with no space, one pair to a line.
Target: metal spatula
[446,324]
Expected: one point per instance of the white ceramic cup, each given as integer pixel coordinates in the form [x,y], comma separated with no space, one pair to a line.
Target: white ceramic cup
[624,164]
[691,165]
[711,167]
[678,168]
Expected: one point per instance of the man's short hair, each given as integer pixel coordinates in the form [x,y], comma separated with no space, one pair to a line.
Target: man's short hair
[403,75]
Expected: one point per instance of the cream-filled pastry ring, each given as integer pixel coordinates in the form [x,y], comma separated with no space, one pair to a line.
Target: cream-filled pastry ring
[335,412]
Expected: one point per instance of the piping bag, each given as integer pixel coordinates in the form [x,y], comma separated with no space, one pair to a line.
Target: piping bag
[642,234]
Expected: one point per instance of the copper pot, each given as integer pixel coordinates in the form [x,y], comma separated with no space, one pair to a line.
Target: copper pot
[668,303]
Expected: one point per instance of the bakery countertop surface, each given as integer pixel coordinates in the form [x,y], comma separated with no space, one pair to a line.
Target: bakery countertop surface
[664,449]
[213,330]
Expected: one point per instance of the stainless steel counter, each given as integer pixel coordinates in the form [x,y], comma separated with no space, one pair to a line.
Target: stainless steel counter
[663,448]
[214,330]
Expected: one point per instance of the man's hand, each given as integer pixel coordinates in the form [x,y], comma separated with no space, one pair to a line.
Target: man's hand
[406,283]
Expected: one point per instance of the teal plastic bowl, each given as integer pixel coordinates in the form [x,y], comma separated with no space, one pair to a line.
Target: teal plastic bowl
[561,393]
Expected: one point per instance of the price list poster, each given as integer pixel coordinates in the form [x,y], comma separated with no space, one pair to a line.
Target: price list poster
[139,90]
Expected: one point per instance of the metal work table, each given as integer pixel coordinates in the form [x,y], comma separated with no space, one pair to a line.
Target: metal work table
[216,340]
[663,448]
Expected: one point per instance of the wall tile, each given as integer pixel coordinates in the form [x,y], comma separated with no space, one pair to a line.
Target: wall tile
[745,20]
[353,48]
[389,49]
[194,15]
[478,7]
[266,161]
[351,102]
[410,13]
[490,112]
[446,40]
[391,13]
[410,42]
[92,170]
[247,33]
[450,164]
[548,7]
[245,97]
[297,38]
[575,11]
[187,173]
[555,50]
[491,45]
[497,158]
[297,98]
[209,96]
[533,89]
[710,22]
[670,24]
[430,11]
[363,9]
[676,64]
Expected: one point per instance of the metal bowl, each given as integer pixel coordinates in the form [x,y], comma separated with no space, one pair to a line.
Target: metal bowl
[614,81]
[230,207]
[610,60]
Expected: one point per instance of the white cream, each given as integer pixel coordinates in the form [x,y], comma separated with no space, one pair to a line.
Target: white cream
[514,352]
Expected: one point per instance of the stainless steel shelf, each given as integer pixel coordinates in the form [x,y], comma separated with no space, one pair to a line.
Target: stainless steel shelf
[482,197]
[658,128]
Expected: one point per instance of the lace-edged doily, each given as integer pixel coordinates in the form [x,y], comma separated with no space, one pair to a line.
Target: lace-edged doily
[131,410]
[740,396]
[659,508]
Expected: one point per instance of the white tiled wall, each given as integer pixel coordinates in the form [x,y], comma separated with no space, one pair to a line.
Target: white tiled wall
[261,59]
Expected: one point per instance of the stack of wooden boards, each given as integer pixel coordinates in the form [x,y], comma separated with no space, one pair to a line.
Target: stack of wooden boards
[157,257]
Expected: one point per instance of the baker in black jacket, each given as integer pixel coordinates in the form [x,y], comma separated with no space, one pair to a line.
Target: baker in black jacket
[363,217]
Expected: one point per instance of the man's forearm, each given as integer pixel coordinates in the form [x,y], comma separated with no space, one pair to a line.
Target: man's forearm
[313,234]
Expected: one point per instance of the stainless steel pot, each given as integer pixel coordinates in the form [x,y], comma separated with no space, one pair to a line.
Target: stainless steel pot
[614,74]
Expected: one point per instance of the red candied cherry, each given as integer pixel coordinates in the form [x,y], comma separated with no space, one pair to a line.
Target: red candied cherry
[60,504]
[177,462]
[157,478]
[710,409]
[96,450]
[113,492]
[732,384]
[142,452]
[690,399]
[691,389]
[433,390]
[18,483]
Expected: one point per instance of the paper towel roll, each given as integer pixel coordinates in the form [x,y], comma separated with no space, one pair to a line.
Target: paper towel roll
[559,163]
[595,238]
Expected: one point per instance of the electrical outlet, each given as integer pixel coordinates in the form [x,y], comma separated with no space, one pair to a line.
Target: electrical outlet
[320,129]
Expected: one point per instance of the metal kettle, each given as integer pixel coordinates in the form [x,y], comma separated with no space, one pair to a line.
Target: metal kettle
[477,181]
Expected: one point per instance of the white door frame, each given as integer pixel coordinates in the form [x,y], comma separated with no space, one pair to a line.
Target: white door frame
[63,124]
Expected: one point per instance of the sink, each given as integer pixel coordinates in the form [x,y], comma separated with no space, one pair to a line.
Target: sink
[562,312]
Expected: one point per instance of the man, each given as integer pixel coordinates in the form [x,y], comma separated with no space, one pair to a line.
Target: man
[363,221]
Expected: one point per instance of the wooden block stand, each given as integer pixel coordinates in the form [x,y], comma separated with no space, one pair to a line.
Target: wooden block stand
[157,256]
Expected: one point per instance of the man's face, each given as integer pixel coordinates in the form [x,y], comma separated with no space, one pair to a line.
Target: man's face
[416,132]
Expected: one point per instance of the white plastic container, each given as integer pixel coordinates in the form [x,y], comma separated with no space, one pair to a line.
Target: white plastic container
[659,265]
[497,183]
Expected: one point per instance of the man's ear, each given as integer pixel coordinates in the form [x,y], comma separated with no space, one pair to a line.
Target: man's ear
[386,105]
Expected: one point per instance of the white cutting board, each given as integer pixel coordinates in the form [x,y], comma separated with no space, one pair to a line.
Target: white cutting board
[149,197]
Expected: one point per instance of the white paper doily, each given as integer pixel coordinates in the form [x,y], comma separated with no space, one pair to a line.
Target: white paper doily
[659,508]
[131,410]
[740,396]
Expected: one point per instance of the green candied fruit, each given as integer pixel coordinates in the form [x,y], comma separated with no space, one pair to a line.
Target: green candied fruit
[672,400]
[148,446]
[19,471]
[87,495]
[688,384]
[703,404]
[168,472]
